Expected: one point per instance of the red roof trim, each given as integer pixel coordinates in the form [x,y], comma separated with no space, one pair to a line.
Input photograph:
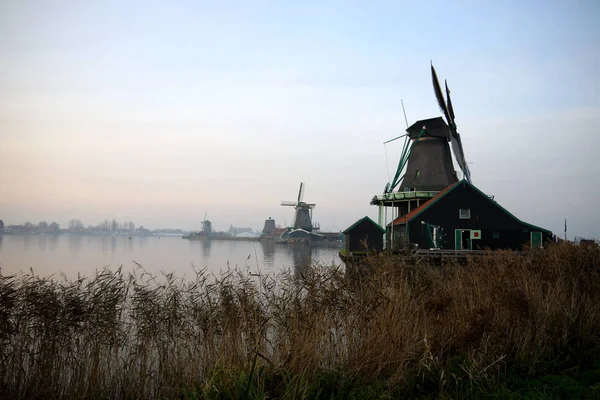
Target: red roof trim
[406,218]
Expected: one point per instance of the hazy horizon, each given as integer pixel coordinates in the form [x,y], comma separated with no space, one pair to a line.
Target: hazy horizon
[157,112]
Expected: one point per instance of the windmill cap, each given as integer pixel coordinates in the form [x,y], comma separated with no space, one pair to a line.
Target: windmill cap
[433,126]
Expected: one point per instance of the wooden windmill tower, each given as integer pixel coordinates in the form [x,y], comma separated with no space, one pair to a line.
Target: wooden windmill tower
[206,227]
[303,218]
[425,166]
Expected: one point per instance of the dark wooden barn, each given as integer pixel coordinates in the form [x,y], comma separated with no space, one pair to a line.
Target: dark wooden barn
[461,217]
[363,232]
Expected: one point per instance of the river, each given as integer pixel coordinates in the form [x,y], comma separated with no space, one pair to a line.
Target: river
[82,255]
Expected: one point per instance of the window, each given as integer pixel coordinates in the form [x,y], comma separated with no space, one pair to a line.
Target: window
[417,174]
[464,213]
[496,235]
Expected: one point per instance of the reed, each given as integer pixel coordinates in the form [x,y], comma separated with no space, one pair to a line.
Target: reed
[414,330]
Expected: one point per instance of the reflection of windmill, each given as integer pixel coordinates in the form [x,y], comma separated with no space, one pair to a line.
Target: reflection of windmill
[206,226]
[303,219]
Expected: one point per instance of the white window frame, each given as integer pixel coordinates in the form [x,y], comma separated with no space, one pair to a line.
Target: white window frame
[460,213]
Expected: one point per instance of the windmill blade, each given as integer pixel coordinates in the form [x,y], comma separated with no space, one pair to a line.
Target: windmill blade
[301,192]
[459,154]
[288,203]
[450,109]
[310,205]
[438,93]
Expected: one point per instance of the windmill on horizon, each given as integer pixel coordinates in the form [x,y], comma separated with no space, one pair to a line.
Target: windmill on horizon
[303,217]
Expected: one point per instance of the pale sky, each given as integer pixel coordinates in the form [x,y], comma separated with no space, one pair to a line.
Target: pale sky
[159,111]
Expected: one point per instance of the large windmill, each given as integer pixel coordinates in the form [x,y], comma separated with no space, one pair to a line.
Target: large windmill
[425,166]
[303,218]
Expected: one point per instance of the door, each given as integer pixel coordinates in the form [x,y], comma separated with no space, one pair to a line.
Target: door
[466,239]
[536,239]
[462,239]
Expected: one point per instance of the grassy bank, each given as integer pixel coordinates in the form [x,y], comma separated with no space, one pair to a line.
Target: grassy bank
[500,326]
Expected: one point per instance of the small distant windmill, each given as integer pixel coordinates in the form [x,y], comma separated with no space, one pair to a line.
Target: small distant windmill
[303,219]
[206,226]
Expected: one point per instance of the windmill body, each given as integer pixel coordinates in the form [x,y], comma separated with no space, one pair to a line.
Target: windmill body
[429,167]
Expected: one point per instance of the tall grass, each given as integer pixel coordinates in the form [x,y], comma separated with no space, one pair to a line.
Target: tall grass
[400,329]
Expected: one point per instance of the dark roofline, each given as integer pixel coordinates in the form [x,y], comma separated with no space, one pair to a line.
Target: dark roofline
[506,211]
[361,220]
[414,213]
[449,189]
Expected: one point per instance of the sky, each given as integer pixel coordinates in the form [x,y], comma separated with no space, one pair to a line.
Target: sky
[160,111]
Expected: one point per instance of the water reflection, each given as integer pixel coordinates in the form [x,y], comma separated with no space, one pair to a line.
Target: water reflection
[85,254]
[75,242]
[42,243]
[268,248]
[27,242]
[206,249]
[52,242]
[301,255]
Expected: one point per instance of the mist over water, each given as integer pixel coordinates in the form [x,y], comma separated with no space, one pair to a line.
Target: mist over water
[82,255]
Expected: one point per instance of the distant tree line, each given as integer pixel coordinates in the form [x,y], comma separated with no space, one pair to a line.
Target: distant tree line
[28,227]
[74,225]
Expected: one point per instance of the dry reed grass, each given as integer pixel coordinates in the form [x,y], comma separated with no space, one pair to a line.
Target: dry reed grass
[414,328]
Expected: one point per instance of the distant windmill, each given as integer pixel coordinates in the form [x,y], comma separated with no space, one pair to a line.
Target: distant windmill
[206,226]
[303,219]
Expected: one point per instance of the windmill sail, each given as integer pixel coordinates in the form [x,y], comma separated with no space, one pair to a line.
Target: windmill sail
[438,93]
[301,192]
[450,109]
[460,156]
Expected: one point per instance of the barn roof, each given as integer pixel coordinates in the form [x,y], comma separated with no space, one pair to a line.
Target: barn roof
[417,211]
[365,218]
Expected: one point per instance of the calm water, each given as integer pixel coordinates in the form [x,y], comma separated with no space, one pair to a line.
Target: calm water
[73,255]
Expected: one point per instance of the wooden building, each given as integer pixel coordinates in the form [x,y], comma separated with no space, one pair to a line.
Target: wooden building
[461,217]
[363,236]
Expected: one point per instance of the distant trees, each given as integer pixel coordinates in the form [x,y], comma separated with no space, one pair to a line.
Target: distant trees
[75,225]
[54,227]
[115,226]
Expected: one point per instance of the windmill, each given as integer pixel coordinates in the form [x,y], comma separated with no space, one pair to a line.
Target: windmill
[425,167]
[303,219]
[426,158]
[206,226]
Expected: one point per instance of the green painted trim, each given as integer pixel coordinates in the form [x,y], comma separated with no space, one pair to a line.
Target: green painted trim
[406,152]
[457,239]
[361,220]
[536,239]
